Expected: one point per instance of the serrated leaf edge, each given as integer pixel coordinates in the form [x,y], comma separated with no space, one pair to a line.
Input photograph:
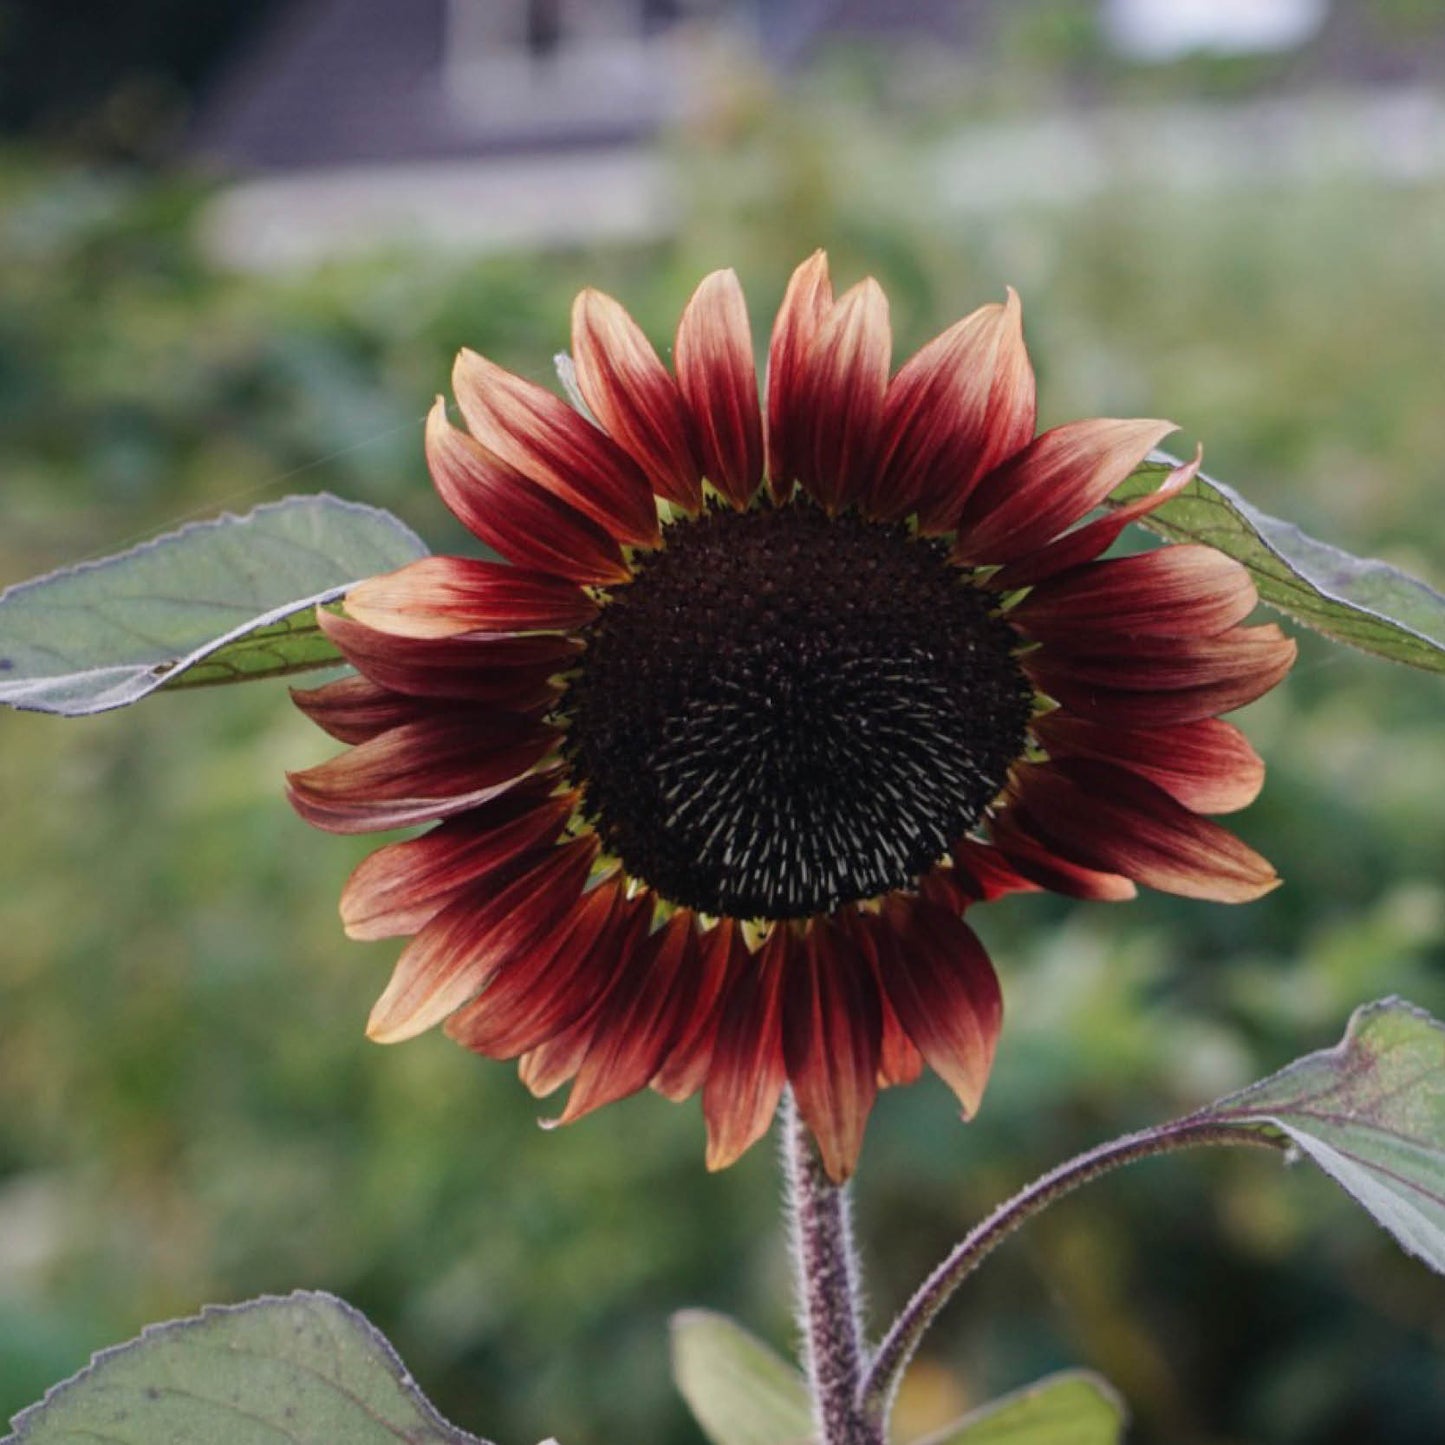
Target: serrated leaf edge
[31,1415]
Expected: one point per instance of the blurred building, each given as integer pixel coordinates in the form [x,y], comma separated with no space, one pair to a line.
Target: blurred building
[353,124]
[492,122]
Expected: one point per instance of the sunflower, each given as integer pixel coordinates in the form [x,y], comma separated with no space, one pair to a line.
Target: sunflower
[763,696]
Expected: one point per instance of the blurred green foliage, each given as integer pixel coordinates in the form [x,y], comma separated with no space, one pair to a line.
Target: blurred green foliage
[188,1109]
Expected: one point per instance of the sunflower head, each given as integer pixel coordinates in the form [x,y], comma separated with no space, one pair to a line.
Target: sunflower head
[764,694]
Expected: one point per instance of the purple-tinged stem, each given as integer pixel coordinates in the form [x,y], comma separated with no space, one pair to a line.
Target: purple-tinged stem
[829,1306]
[880,1383]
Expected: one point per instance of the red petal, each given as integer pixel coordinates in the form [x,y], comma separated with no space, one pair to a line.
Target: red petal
[746,1076]
[1254,658]
[355,710]
[942,986]
[899,1061]
[718,378]
[401,887]
[806,304]
[557,1059]
[983,873]
[453,956]
[839,398]
[447,763]
[449,596]
[543,991]
[951,414]
[948,888]
[1058,478]
[556,447]
[511,670]
[525,524]
[1094,538]
[1047,870]
[1109,818]
[721,957]
[1208,765]
[1185,591]
[633,395]
[832,1030]
[647,1008]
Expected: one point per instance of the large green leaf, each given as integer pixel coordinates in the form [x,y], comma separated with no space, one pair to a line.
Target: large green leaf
[1074,1407]
[1371,1113]
[739,1390]
[220,601]
[306,1370]
[1366,603]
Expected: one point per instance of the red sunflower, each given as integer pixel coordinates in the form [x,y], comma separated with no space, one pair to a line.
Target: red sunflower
[762,698]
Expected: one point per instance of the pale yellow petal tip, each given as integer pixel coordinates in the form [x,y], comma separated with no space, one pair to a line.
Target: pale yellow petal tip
[436,419]
[387,1026]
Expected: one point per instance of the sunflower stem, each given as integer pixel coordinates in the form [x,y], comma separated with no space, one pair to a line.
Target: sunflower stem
[882,1378]
[828,1297]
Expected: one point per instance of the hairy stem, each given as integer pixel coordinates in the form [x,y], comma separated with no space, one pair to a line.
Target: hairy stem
[897,1349]
[829,1309]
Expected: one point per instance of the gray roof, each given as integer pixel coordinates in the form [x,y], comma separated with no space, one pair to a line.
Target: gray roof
[348,81]
[332,82]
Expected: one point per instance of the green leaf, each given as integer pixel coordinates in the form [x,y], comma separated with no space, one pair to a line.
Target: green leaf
[220,601]
[1363,602]
[306,1370]
[1371,1113]
[739,1390]
[1073,1407]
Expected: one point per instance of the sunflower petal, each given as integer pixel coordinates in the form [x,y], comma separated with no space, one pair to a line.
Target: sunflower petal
[805,306]
[943,988]
[401,887]
[832,1034]
[746,1075]
[549,1065]
[957,407]
[1183,591]
[715,371]
[1056,479]
[840,397]
[633,395]
[545,440]
[1207,765]
[1092,539]
[721,957]
[450,960]
[446,763]
[544,990]
[1248,657]
[1046,869]
[982,873]
[510,670]
[451,596]
[355,709]
[637,1027]
[526,524]
[1108,818]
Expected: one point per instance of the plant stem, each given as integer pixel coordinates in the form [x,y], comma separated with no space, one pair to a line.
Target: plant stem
[897,1349]
[829,1309]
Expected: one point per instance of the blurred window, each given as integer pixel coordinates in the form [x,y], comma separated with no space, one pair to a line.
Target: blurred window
[1162,30]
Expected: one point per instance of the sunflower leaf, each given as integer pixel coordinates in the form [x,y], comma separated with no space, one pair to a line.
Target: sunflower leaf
[307,1369]
[226,600]
[1074,1407]
[1366,603]
[740,1392]
[1370,1112]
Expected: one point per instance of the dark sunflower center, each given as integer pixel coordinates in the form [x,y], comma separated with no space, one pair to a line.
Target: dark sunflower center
[783,713]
